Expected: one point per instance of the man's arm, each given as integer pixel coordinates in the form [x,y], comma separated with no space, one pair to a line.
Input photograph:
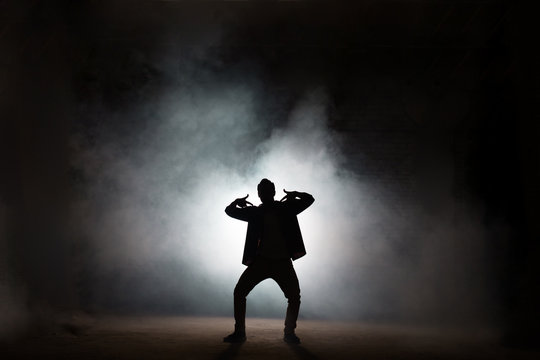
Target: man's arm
[297,201]
[240,209]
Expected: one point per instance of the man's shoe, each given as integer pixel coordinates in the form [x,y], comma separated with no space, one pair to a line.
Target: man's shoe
[235,337]
[291,338]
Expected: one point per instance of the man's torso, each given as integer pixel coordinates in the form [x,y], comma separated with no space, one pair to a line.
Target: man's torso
[272,243]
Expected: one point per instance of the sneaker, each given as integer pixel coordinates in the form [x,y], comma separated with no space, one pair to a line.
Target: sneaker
[291,338]
[235,337]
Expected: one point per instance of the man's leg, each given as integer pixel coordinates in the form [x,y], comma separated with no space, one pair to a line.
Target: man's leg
[254,274]
[287,280]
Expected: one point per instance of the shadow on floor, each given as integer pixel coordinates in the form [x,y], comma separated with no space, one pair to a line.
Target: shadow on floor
[302,353]
[230,352]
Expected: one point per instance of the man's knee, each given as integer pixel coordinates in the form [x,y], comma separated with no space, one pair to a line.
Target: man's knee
[293,298]
[239,292]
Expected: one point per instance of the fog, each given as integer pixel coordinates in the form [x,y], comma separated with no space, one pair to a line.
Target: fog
[130,126]
[155,176]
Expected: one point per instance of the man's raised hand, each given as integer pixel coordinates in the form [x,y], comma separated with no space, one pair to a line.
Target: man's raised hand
[289,195]
[242,202]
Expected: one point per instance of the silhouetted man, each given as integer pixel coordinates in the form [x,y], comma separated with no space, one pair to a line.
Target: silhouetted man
[273,239]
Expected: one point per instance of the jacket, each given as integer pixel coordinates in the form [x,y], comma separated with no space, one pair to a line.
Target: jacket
[287,211]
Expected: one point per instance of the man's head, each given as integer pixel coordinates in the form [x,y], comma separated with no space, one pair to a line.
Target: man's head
[266,190]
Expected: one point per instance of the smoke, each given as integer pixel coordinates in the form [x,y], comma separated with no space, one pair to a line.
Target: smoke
[155,174]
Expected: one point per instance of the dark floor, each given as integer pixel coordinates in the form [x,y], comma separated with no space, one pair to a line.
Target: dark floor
[201,338]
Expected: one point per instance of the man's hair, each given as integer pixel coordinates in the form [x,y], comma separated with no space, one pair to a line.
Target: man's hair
[265,183]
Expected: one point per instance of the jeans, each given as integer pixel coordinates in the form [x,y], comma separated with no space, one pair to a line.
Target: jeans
[282,272]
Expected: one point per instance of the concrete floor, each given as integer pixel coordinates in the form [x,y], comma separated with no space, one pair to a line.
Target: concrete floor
[185,338]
